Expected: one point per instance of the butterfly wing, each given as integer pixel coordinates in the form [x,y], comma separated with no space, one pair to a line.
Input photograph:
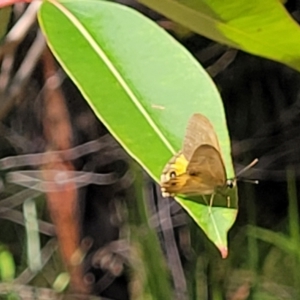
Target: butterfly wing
[198,169]
[201,176]
[199,132]
[206,167]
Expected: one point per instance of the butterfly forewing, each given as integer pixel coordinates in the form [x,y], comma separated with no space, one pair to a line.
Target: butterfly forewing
[199,132]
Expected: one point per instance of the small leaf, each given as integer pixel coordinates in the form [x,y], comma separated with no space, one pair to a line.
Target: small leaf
[7,265]
[61,282]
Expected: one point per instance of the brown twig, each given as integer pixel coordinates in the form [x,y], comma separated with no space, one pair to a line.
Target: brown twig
[62,202]
[222,63]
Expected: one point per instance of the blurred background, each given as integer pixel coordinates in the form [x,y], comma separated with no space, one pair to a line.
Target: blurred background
[74,221]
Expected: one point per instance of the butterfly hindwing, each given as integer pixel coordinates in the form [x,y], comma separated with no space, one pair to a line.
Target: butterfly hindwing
[207,166]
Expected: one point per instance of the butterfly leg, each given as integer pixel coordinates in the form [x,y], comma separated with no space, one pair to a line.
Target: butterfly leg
[211,200]
[228,201]
[205,200]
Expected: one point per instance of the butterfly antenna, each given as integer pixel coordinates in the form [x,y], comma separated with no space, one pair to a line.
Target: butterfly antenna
[250,181]
[254,162]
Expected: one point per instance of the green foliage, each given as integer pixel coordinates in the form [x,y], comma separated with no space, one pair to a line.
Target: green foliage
[61,282]
[7,265]
[262,28]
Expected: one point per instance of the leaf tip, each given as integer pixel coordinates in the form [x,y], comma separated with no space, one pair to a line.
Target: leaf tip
[224,251]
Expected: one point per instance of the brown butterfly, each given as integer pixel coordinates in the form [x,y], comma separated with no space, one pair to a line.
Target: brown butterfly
[198,169]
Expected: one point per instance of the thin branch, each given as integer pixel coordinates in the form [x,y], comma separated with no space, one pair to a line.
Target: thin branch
[22,75]
[34,179]
[27,275]
[19,198]
[20,30]
[53,156]
[17,217]
[222,63]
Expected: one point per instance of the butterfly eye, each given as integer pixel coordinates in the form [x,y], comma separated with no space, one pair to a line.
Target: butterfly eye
[172,174]
[195,173]
[230,184]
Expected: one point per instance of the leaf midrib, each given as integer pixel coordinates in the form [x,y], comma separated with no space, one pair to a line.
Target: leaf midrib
[113,70]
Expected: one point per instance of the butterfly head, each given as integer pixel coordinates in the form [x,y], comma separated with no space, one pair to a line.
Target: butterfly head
[173,176]
[174,185]
[230,183]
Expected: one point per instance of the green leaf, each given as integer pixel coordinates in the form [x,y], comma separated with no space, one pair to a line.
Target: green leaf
[259,27]
[7,265]
[141,84]
[61,282]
